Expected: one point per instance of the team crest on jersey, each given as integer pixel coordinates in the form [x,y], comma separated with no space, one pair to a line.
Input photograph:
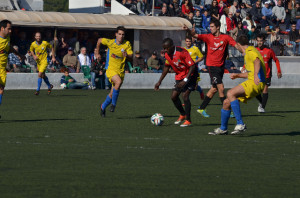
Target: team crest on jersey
[43,48]
[190,53]
[221,42]
[265,55]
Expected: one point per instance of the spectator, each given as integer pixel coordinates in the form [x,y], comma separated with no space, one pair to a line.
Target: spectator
[97,71]
[244,10]
[164,11]
[23,43]
[62,48]
[171,9]
[141,7]
[29,60]
[86,42]
[222,8]
[83,58]
[248,22]
[231,68]
[53,66]
[138,61]
[198,22]
[70,82]
[186,7]
[230,23]
[74,43]
[296,14]
[190,19]
[294,39]
[205,22]
[214,12]
[279,13]
[267,15]
[15,62]
[247,4]
[234,7]
[153,63]
[223,27]
[237,17]
[277,41]
[207,4]
[251,34]
[256,12]
[176,7]
[70,61]
[131,6]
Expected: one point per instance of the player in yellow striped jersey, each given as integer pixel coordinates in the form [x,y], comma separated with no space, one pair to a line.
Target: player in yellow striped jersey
[39,50]
[253,86]
[5,49]
[118,51]
[197,56]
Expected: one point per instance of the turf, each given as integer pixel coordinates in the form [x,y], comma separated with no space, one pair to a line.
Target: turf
[59,146]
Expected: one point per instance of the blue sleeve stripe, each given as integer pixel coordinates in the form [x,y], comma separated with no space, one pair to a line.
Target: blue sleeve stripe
[261,75]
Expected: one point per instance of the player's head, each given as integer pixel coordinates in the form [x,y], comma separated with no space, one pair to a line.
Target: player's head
[243,40]
[120,34]
[188,41]
[260,40]
[215,26]
[38,36]
[168,46]
[5,27]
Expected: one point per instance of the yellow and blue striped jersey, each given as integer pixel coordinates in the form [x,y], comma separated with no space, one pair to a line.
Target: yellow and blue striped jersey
[116,60]
[4,50]
[194,52]
[250,55]
[40,50]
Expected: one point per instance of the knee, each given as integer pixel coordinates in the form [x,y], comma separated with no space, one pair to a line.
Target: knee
[174,98]
[229,94]
[214,89]
[226,104]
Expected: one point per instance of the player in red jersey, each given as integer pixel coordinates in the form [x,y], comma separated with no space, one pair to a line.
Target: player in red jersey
[186,78]
[217,45]
[268,54]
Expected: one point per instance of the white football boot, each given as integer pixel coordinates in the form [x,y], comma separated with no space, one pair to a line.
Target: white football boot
[238,129]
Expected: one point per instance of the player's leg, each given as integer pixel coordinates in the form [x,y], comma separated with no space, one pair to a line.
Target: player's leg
[117,83]
[199,89]
[177,103]
[39,83]
[265,96]
[210,94]
[187,106]
[220,88]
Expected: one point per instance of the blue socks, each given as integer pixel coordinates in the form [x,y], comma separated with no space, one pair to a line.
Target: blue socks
[40,80]
[46,80]
[1,98]
[115,96]
[106,102]
[225,115]
[235,106]
[199,89]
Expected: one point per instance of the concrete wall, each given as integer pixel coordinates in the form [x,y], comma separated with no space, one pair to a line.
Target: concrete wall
[290,68]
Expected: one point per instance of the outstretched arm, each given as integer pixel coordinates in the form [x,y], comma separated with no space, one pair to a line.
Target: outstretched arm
[256,70]
[163,75]
[191,32]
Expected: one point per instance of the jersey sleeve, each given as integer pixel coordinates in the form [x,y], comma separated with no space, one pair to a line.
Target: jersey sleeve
[231,41]
[48,45]
[185,56]
[105,41]
[274,57]
[203,37]
[129,48]
[31,47]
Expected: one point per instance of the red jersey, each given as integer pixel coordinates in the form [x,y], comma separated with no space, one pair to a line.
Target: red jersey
[180,61]
[268,54]
[216,48]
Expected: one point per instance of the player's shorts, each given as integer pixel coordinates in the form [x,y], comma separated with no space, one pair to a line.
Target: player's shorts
[42,66]
[216,74]
[191,84]
[251,90]
[2,76]
[112,73]
[268,82]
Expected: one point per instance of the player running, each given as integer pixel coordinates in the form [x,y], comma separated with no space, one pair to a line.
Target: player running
[253,86]
[197,56]
[5,49]
[119,50]
[267,54]
[39,50]
[186,77]
[217,44]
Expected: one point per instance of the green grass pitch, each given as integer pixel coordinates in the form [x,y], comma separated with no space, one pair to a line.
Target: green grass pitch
[59,146]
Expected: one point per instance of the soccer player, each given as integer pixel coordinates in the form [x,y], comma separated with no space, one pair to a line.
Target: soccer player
[39,50]
[267,54]
[118,51]
[5,49]
[186,77]
[197,56]
[253,86]
[217,45]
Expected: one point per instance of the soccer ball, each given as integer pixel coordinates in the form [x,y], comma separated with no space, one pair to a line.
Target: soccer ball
[63,86]
[157,119]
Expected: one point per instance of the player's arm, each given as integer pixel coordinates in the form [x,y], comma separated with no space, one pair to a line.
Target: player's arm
[199,55]
[53,53]
[190,32]
[98,47]
[256,70]
[163,75]
[128,53]
[238,75]
[274,57]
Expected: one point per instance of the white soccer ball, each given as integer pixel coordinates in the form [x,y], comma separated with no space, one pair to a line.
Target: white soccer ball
[63,86]
[157,119]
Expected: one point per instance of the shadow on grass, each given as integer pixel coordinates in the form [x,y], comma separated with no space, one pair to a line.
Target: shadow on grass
[69,95]
[263,115]
[284,112]
[37,120]
[292,133]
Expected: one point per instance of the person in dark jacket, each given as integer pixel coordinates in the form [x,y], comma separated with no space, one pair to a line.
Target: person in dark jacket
[97,71]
